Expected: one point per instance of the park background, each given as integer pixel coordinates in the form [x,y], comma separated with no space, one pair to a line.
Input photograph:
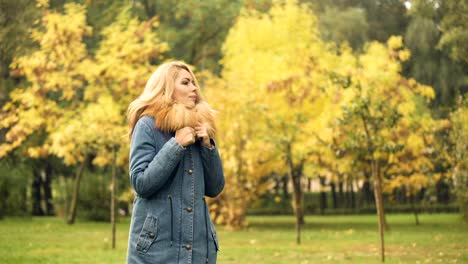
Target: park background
[339,122]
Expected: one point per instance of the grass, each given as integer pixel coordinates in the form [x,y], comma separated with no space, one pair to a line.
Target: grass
[441,238]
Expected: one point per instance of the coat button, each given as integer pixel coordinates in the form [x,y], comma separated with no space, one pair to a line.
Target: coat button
[151,235]
[190,171]
[188,209]
[188,247]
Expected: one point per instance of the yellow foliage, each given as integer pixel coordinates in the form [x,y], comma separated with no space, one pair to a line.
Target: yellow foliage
[395,42]
[282,94]
[78,101]
[404,55]
[42,3]
[418,181]
[52,69]
[38,152]
[96,128]
[415,143]
[270,96]
[391,118]
[425,91]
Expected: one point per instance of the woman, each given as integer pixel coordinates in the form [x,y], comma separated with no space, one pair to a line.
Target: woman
[174,164]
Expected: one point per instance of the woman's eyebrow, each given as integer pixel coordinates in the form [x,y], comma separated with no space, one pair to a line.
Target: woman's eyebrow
[186,79]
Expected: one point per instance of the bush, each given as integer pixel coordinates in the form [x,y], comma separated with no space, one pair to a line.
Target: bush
[94,197]
[270,204]
[14,190]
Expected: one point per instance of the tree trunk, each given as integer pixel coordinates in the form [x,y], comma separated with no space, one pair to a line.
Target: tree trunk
[295,174]
[76,190]
[299,199]
[366,193]
[340,194]
[285,181]
[47,185]
[4,193]
[333,191]
[403,195]
[351,196]
[379,205]
[298,175]
[24,204]
[36,193]
[323,195]
[298,208]
[414,209]
[277,182]
[309,184]
[41,189]
[113,191]
[376,175]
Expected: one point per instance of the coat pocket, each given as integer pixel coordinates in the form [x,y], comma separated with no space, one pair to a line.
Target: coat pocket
[148,234]
[215,238]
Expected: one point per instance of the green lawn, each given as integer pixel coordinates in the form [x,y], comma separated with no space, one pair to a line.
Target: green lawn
[441,238]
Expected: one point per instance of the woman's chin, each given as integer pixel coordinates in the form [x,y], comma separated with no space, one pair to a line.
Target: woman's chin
[190,104]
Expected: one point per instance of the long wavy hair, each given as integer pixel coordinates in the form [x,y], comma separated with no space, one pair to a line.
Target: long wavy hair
[158,91]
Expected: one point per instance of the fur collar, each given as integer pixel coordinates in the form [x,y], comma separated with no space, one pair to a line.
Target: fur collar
[170,118]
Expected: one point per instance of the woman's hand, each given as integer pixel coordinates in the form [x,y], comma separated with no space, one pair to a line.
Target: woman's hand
[202,134]
[185,136]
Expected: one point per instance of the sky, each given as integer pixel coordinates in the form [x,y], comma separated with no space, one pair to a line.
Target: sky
[408,4]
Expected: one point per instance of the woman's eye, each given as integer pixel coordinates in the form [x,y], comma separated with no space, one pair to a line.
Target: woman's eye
[184,83]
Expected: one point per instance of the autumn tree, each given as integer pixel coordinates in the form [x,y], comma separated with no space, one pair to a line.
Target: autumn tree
[239,142]
[55,85]
[410,169]
[384,104]
[121,63]
[283,84]
[75,105]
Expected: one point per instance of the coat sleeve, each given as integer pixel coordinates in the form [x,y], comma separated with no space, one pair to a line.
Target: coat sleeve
[213,171]
[150,166]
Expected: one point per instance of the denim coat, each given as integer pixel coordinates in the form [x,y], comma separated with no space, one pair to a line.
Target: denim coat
[170,220]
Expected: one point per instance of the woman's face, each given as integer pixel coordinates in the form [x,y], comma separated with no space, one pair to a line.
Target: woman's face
[185,91]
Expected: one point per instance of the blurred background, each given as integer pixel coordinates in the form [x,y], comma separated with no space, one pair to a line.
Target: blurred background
[327,109]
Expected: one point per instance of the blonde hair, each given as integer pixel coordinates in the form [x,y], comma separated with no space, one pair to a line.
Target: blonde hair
[158,91]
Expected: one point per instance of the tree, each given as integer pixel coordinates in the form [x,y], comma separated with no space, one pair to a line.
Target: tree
[282,83]
[386,17]
[98,128]
[383,102]
[411,169]
[54,85]
[454,26]
[74,106]
[239,144]
[16,17]
[195,30]
[340,26]
[459,157]
[429,64]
